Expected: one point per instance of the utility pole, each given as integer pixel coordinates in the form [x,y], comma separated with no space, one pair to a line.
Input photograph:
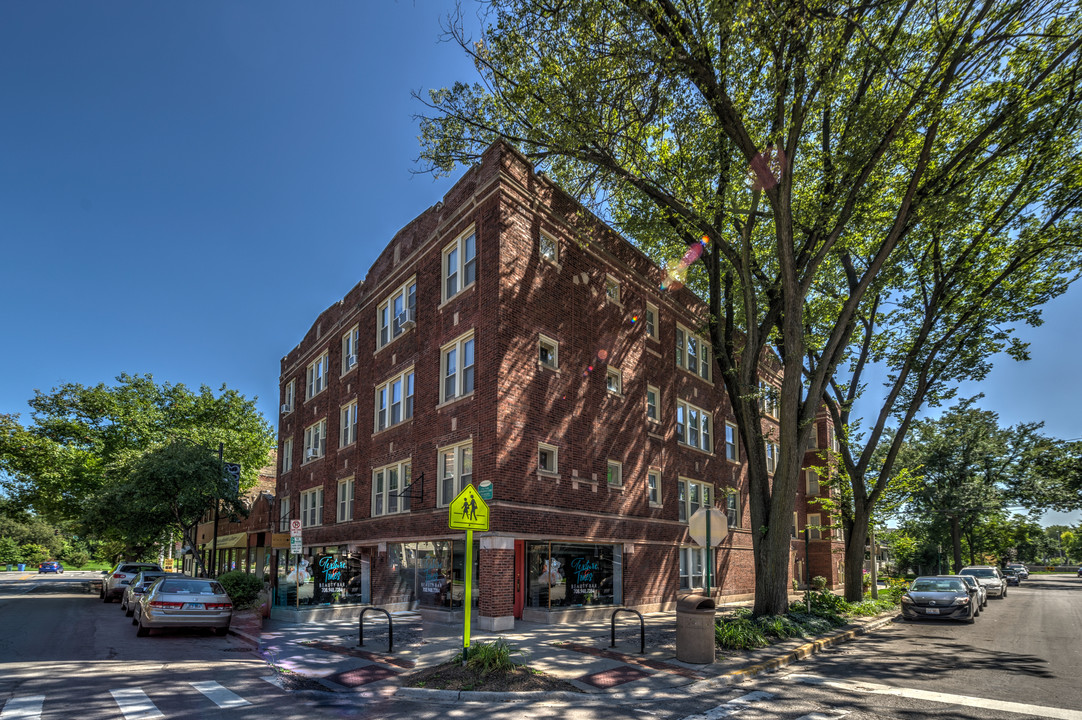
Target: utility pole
[217,504]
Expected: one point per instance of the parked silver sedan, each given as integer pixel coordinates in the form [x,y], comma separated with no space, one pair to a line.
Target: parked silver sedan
[183,602]
[940,598]
[138,586]
[990,577]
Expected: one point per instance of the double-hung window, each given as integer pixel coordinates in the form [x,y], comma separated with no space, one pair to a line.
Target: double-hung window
[394,400]
[691,496]
[548,459]
[651,403]
[388,484]
[345,499]
[693,426]
[459,265]
[814,527]
[457,368]
[692,567]
[773,452]
[768,399]
[692,353]
[653,486]
[350,341]
[394,315]
[288,396]
[287,455]
[317,376]
[732,508]
[813,482]
[455,471]
[732,451]
[312,507]
[315,440]
[283,514]
[650,320]
[348,425]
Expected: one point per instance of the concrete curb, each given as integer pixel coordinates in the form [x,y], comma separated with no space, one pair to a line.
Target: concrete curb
[245,637]
[425,695]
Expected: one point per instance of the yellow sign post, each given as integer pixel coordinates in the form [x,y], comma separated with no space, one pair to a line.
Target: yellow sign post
[468,512]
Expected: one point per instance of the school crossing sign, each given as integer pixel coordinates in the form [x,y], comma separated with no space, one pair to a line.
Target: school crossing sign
[468,511]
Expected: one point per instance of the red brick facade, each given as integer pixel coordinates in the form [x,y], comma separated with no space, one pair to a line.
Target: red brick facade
[517,402]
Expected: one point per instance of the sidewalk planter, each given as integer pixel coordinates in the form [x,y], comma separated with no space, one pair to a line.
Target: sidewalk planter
[695,629]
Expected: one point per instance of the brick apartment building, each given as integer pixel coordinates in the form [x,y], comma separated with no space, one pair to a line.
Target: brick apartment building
[507,336]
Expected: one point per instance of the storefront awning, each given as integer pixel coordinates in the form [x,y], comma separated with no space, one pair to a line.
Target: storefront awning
[231,541]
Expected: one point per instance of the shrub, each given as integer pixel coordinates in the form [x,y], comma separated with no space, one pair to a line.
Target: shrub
[487,657]
[829,602]
[739,633]
[819,583]
[33,553]
[77,558]
[242,588]
[780,626]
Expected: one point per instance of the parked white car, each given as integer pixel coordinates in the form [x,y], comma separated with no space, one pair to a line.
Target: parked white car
[115,582]
[990,577]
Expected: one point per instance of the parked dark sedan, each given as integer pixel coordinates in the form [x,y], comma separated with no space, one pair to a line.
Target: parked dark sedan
[50,566]
[937,598]
[1013,578]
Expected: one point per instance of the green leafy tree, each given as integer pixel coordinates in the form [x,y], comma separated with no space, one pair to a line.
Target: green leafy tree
[868,130]
[9,550]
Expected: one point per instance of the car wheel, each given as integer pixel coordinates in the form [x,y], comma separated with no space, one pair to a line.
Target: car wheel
[130,612]
[105,597]
[1004,594]
[142,631]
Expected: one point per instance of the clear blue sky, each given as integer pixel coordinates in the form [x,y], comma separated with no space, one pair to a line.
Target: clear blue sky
[185,186]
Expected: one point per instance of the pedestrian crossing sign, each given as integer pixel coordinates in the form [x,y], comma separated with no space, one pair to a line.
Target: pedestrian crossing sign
[468,511]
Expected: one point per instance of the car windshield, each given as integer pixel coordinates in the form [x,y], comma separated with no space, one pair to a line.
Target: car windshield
[980,572]
[943,585]
[197,587]
[137,568]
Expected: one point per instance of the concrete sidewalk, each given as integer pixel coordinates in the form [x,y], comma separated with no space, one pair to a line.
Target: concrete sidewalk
[580,653]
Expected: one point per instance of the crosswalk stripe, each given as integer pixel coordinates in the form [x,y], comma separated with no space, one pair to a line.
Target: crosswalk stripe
[222,698]
[1052,713]
[732,707]
[23,708]
[832,715]
[135,704]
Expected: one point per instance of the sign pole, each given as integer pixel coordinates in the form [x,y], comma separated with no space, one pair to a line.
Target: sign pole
[709,554]
[468,596]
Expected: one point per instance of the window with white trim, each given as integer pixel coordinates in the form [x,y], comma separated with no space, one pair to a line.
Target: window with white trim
[459,265]
[457,368]
[315,440]
[773,452]
[283,514]
[692,567]
[548,249]
[813,482]
[288,396]
[732,508]
[317,375]
[833,437]
[395,312]
[692,353]
[612,289]
[548,459]
[394,400]
[388,484]
[651,402]
[548,352]
[814,527]
[650,320]
[693,426]
[613,381]
[350,350]
[615,474]
[348,425]
[287,455]
[345,499]
[455,471]
[768,399]
[653,486]
[691,495]
[794,531]
[312,507]
[732,447]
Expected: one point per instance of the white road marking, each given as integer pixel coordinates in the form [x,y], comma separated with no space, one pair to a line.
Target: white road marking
[832,715]
[135,704]
[732,707]
[23,708]
[273,680]
[1052,713]
[222,697]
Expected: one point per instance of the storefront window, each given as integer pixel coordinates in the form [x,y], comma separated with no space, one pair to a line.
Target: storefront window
[573,575]
[430,574]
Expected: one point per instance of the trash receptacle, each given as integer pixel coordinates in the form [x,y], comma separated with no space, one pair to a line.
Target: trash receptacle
[22,567]
[9,567]
[695,629]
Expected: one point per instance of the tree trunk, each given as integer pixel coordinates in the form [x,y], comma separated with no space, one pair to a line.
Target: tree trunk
[956,542]
[855,536]
[771,569]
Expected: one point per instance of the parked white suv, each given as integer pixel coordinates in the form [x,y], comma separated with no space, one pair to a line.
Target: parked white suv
[990,577]
[114,583]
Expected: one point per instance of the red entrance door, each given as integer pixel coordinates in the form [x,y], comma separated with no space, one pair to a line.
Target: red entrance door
[520,577]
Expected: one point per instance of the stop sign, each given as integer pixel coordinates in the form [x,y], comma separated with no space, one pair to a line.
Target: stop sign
[719,527]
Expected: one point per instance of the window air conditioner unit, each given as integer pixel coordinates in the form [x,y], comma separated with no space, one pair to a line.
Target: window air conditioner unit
[311,454]
[351,360]
[405,319]
[286,407]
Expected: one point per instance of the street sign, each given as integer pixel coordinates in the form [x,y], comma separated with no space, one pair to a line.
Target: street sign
[295,545]
[294,528]
[233,471]
[484,488]
[468,511]
[719,527]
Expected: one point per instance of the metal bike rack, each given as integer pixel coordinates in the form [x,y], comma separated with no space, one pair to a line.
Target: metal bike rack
[390,627]
[642,628]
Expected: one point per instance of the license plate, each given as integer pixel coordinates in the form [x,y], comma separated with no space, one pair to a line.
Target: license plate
[199,606]
[931,611]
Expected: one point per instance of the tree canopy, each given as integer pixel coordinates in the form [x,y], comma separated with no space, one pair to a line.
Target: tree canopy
[850,164]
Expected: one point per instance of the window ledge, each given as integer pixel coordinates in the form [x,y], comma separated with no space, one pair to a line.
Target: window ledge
[616,488]
[453,400]
[308,400]
[352,369]
[696,449]
[545,366]
[392,427]
[457,295]
[548,474]
[656,505]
